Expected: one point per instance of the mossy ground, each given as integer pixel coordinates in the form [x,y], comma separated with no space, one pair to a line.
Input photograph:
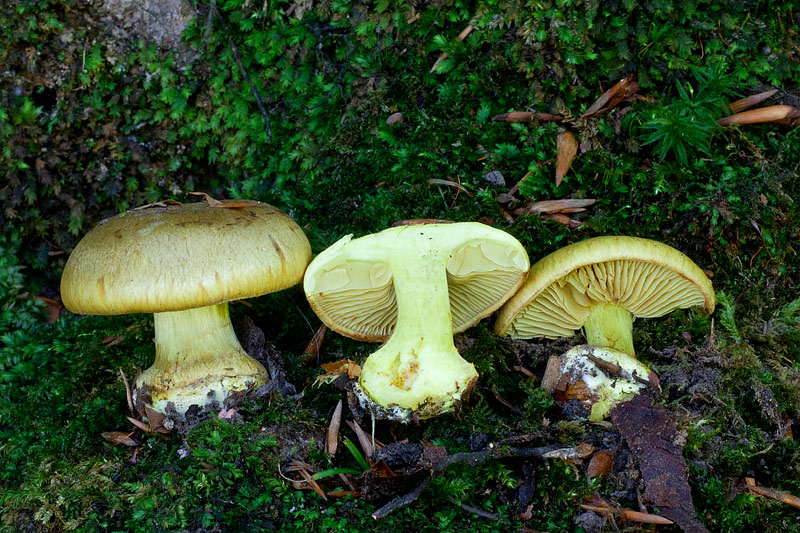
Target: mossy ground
[91,125]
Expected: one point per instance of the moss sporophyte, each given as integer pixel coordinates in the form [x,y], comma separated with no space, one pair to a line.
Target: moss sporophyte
[415,286]
[185,263]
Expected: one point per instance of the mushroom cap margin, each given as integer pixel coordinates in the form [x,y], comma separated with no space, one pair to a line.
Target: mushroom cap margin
[179,257]
[598,250]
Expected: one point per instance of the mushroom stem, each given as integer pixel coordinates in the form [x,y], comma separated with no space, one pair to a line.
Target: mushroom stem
[198,360]
[610,325]
[419,368]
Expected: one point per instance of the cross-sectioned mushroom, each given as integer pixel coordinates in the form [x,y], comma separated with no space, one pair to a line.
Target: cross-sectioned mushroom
[413,287]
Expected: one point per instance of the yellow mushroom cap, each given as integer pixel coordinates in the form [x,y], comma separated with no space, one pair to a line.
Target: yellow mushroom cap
[350,285]
[177,257]
[645,277]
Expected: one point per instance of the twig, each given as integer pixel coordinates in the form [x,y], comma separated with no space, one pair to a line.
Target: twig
[244,73]
[473,510]
[492,451]
[401,501]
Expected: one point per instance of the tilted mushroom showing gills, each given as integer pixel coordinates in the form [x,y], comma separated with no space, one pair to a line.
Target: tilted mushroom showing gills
[184,263]
[601,285]
[415,286]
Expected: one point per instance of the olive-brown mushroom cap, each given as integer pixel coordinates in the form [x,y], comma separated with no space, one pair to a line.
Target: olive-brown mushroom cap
[353,292]
[177,257]
[646,277]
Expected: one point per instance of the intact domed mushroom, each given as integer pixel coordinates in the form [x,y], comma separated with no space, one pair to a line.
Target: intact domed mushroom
[602,285]
[184,263]
[415,286]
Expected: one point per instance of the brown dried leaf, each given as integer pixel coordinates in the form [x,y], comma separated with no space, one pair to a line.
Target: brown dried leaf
[315,344]
[746,103]
[343,493]
[782,114]
[154,418]
[119,437]
[338,368]
[211,201]
[564,219]
[139,424]
[601,463]
[567,148]
[527,116]
[332,437]
[312,483]
[112,340]
[54,307]
[624,88]
[567,205]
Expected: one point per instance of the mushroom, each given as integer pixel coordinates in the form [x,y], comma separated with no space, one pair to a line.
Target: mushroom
[601,285]
[413,287]
[184,263]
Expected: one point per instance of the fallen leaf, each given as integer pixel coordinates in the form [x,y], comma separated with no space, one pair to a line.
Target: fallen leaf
[601,463]
[119,437]
[128,394]
[338,368]
[527,116]
[567,148]
[779,114]
[54,308]
[332,437]
[315,344]
[139,424]
[746,103]
[567,205]
[624,88]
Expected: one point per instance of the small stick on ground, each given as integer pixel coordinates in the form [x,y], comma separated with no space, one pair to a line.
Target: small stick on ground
[473,510]
[128,395]
[402,501]
[783,497]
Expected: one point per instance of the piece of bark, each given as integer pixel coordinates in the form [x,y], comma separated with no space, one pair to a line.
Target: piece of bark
[650,434]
